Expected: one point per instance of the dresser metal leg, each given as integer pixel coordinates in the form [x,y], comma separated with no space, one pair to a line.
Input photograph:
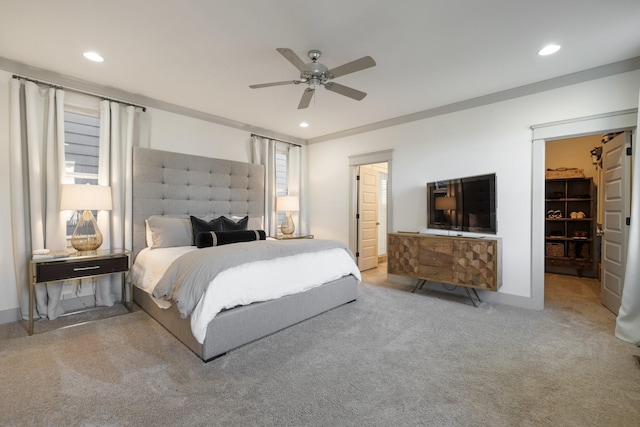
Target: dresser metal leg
[474,291]
[470,297]
[419,285]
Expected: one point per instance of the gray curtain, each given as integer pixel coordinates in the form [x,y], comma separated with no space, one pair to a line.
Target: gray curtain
[37,170]
[628,321]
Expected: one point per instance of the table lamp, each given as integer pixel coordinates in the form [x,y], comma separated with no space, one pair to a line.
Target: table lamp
[86,198]
[288,204]
[446,203]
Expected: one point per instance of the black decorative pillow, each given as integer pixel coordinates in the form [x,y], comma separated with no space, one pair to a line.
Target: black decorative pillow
[201,226]
[231,225]
[219,238]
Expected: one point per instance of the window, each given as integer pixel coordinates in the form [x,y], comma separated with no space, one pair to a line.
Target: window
[81,151]
[282,189]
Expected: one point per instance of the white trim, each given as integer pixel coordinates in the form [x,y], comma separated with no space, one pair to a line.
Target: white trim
[616,120]
[370,158]
[10,315]
[602,123]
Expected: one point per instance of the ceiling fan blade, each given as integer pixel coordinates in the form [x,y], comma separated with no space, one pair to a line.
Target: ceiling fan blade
[353,66]
[294,59]
[288,82]
[345,90]
[306,98]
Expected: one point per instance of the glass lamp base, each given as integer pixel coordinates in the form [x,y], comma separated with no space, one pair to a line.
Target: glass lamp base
[86,237]
[287,227]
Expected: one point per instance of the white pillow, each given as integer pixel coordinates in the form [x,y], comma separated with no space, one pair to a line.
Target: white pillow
[148,236]
[167,232]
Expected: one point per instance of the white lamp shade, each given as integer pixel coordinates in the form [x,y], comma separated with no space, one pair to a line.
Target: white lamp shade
[288,203]
[82,197]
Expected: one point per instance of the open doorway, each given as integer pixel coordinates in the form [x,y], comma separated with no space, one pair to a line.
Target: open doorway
[587,197]
[572,237]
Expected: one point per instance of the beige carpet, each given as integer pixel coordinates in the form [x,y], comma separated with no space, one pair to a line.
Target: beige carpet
[390,358]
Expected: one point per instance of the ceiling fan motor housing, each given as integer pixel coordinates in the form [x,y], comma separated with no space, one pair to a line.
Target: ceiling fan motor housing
[318,74]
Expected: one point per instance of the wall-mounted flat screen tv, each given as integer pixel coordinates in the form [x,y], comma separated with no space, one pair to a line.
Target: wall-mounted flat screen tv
[463,204]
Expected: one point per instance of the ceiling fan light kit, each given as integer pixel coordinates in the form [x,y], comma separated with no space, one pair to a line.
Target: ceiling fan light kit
[316,74]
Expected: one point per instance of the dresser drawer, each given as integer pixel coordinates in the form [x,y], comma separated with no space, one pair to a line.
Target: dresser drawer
[436,252]
[435,258]
[435,273]
[64,270]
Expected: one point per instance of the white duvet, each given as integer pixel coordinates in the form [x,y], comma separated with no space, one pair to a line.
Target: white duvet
[246,283]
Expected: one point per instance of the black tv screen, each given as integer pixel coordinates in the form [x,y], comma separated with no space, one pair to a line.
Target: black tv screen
[463,204]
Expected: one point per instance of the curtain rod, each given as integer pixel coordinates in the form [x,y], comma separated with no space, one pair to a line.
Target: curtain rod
[55,86]
[279,140]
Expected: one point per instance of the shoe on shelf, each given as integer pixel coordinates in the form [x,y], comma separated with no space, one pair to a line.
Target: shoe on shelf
[580,215]
[574,215]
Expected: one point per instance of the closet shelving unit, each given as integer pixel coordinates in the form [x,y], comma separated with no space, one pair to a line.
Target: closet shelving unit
[570,224]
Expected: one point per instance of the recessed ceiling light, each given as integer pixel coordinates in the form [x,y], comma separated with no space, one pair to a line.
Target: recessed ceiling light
[92,56]
[549,49]
[304,125]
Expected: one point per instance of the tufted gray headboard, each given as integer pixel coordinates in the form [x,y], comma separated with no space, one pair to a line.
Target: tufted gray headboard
[174,184]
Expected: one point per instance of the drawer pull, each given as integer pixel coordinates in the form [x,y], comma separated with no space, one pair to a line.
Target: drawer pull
[435,258]
[93,267]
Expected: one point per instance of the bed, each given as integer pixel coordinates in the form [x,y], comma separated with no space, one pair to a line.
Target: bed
[172,186]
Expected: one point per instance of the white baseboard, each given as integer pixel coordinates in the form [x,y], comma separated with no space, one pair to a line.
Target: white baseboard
[10,315]
[13,314]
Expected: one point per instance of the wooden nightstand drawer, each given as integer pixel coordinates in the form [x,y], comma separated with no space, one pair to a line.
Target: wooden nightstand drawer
[65,270]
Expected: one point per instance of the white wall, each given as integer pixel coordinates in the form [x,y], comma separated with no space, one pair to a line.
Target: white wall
[167,131]
[173,132]
[493,138]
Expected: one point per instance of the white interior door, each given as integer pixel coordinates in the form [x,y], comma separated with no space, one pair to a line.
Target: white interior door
[615,211]
[368,218]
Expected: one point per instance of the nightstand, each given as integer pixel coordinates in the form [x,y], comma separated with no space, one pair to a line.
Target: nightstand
[293,236]
[102,262]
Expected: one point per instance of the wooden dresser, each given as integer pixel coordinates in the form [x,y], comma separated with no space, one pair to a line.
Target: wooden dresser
[460,261]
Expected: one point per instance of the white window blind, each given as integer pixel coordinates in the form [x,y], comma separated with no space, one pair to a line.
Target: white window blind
[282,159]
[81,151]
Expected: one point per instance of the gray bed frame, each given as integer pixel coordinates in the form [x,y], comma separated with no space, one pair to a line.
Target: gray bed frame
[179,185]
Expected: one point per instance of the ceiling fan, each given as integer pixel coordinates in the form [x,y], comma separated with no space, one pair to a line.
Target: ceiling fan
[315,74]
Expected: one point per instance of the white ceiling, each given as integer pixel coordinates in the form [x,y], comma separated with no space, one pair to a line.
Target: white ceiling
[204,54]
